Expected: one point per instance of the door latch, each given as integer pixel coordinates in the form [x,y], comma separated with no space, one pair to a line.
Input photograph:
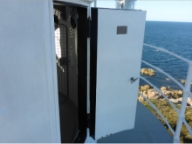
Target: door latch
[133,79]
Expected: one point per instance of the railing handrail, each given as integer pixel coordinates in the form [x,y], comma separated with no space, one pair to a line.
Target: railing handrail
[168,52]
[186,93]
[155,108]
[160,70]
[171,103]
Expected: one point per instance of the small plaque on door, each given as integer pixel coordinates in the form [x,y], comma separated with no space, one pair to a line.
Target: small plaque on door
[121,29]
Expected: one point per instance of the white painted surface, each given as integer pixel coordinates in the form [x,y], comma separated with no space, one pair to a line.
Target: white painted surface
[57,41]
[89,139]
[118,59]
[28,86]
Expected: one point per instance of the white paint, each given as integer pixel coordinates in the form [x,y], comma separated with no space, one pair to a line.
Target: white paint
[28,86]
[89,139]
[183,105]
[52,83]
[118,59]
[126,4]
[57,41]
[2,115]
[186,89]
[129,4]
[95,3]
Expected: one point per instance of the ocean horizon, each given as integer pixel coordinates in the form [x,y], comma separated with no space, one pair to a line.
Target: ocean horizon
[175,37]
[167,21]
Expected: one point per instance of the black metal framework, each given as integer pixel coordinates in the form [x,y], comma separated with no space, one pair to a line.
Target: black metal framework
[61,42]
[93,69]
[81,64]
[82,73]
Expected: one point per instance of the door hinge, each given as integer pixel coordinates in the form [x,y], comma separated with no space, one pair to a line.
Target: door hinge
[88,121]
[89,27]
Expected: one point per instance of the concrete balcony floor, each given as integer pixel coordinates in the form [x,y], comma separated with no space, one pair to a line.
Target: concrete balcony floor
[148,129]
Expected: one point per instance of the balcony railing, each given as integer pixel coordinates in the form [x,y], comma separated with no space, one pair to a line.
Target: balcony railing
[186,94]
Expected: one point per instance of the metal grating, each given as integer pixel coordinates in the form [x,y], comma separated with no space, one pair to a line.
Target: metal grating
[62,53]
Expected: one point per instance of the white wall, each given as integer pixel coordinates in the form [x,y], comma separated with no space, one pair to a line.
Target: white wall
[28,88]
[118,59]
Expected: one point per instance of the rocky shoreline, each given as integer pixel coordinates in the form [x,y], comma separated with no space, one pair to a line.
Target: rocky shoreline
[147,71]
[184,81]
[151,72]
[174,96]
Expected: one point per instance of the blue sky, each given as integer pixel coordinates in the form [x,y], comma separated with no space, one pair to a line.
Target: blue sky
[160,10]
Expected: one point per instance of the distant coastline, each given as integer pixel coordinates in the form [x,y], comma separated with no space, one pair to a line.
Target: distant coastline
[167,21]
[175,37]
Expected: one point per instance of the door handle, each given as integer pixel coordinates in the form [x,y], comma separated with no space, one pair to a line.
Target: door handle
[133,79]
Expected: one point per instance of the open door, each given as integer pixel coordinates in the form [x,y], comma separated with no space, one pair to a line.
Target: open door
[29,110]
[116,49]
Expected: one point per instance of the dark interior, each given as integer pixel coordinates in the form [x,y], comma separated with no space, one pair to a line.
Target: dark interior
[71,55]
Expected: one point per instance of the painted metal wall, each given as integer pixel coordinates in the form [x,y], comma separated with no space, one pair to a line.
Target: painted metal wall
[28,87]
[118,59]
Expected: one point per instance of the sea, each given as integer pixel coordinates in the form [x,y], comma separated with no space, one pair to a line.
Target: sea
[175,37]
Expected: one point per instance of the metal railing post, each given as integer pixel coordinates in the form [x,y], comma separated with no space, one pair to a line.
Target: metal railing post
[186,94]
[95,3]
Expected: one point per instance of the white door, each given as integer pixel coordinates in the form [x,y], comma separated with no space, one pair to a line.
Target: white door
[28,88]
[116,49]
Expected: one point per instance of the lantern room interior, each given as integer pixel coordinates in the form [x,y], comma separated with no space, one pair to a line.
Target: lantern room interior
[71,56]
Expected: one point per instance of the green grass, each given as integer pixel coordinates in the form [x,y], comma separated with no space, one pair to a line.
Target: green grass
[171,115]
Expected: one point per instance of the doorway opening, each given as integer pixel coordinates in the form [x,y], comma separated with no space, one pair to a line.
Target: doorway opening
[71,57]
